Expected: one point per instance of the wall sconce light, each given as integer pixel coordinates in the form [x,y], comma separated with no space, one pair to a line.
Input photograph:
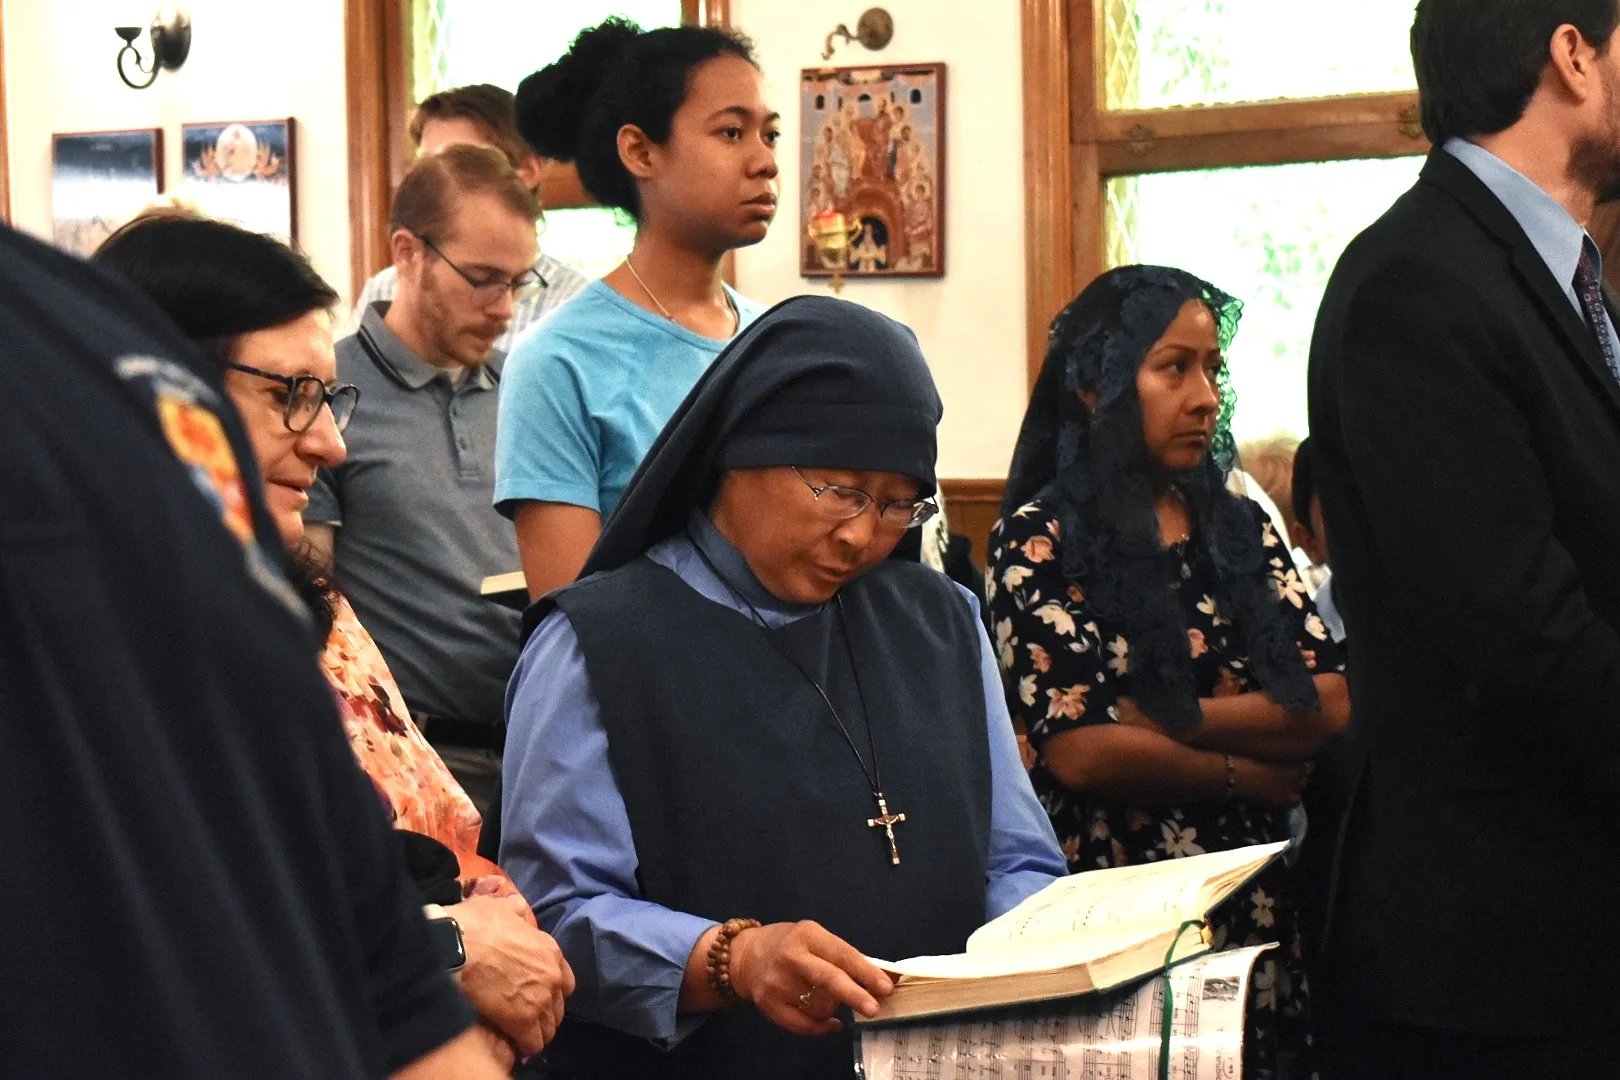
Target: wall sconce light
[171,44]
[874,29]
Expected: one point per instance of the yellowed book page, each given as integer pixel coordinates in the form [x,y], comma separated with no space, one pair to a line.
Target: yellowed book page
[496,584]
[1148,896]
[1019,958]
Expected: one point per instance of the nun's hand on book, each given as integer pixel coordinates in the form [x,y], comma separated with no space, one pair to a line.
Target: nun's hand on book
[799,975]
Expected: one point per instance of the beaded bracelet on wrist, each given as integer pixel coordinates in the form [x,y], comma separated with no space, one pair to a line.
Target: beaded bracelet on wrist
[720,958]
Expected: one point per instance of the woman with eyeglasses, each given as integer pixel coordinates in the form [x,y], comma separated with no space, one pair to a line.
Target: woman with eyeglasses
[747,749]
[260,310]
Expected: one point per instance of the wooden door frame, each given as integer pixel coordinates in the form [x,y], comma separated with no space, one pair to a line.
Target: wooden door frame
[378,61]
[1051,245]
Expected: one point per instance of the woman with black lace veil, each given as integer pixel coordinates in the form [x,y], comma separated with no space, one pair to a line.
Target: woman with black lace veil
[1154,637]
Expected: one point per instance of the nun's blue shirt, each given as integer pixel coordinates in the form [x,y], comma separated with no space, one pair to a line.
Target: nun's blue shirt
[565,832]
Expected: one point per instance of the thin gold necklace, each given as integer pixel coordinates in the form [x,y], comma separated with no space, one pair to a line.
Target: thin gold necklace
[664,311]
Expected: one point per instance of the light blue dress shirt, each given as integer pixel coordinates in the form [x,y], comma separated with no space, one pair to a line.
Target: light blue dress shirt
[1328,609]
[565,833]
[1557,237]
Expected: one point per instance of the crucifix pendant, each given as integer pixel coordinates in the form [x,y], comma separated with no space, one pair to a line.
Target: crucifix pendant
[886,821]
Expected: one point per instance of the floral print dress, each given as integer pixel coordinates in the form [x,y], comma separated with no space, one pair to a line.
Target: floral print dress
[413,782]
[1065,667]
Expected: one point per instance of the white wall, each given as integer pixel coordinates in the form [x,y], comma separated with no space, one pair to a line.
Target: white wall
[970,322]
[253,61]
[249,61]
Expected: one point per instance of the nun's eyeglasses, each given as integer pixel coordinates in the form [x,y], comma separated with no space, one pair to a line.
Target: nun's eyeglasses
[844,503]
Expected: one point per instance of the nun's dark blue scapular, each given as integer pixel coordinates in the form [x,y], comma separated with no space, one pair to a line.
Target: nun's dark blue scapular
[813,381]
[727,738]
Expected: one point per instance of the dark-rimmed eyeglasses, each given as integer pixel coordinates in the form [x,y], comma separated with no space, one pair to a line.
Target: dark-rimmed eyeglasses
[523,287]
[305,396]
[842,503]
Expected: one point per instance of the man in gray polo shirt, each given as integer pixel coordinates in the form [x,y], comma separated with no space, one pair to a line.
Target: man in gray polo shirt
[406,521]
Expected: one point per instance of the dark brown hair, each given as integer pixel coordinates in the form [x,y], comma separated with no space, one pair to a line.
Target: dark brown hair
[490,107]
[423,202]
[1478,62]
[217,281]
[616,74]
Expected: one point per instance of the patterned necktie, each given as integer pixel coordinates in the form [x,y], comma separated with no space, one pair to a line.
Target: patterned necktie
[1589,287]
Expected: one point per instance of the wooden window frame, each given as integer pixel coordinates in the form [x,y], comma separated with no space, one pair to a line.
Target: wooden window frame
[1073,146]
[377,54]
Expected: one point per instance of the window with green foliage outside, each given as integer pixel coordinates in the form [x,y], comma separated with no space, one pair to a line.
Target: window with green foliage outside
[1269,234]
[1166,53]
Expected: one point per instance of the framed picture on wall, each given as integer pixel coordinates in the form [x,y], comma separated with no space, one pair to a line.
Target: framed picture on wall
[872,165]
[99,180]
[242,171]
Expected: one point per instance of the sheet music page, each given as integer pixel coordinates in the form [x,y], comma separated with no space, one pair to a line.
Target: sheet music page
[1156,895]
[1116,1037]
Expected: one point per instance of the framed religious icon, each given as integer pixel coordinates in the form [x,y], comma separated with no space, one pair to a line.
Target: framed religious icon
[99,180]
[242,171]
[872,171]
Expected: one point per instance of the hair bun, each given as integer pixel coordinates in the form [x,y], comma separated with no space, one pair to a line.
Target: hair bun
[552,103]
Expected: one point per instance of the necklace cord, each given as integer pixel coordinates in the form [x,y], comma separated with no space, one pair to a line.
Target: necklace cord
[664,311]
[874,776]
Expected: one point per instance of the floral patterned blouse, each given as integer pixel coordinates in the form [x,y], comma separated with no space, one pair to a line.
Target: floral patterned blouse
[1065,667]
[415,785]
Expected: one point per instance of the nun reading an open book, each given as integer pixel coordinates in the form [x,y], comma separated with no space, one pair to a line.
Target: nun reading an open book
[746,750]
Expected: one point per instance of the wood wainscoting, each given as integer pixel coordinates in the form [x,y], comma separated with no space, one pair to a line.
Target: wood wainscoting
[972,507]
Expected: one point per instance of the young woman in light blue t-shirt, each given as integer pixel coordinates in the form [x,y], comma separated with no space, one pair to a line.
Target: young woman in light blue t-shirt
[670,126]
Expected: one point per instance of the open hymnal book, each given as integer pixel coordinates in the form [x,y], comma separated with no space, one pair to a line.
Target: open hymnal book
[509,590]
[1089,932]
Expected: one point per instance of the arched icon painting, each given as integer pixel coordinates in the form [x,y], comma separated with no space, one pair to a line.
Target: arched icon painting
[242,171]
[872,155]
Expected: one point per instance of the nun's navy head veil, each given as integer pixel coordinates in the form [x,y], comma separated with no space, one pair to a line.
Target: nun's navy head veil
[815,382]
[1093,471]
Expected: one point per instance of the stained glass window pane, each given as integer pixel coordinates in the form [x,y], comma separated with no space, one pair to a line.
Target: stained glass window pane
[1269,235]
[1164,53]
[429,60]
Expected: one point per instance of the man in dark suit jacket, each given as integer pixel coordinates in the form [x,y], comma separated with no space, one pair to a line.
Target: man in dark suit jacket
[1465,409]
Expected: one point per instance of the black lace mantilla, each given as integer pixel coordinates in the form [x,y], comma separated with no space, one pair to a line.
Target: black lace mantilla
[1095,472]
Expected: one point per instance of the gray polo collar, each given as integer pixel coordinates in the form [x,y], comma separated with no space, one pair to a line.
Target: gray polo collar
[409,370]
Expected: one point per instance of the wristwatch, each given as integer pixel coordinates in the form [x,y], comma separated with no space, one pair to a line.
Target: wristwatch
[445,933]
